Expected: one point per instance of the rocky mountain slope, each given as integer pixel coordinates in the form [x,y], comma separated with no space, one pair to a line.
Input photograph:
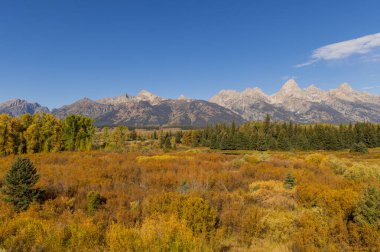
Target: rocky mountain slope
[309,105]
[17,107]
[147,109]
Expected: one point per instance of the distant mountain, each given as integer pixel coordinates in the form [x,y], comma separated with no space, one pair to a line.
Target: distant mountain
[147,109]
[84,107]
[17,107]
[309,105]
[124,99]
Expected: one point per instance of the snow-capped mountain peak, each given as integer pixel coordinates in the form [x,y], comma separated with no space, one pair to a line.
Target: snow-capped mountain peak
[148,96]
[312,89]
[290,89]
[342,104]
[345,87]
[254,92]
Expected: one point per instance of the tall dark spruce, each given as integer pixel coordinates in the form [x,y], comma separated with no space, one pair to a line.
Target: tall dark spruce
[19,184]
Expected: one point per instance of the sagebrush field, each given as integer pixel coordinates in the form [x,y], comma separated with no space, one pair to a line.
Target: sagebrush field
[198,200]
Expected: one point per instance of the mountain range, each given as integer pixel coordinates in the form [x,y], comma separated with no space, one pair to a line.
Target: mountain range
[309,105]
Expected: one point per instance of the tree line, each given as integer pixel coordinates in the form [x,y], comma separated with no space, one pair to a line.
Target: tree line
[269,135]
[44,133]
[265,135]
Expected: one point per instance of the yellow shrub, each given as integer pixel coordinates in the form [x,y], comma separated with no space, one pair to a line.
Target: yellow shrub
[272,193]
[252,159]
[196,211]
[30,234]
[164,157]
[315,158]
[163,233]
[279,226]
[355,170]
[83,236]
[272,185]
[120,238]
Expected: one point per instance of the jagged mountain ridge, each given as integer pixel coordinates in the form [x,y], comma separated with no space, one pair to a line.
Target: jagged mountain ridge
[17,107]
[147,109]
[309,105]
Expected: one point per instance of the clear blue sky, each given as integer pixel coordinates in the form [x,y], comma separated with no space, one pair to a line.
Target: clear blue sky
[56,52]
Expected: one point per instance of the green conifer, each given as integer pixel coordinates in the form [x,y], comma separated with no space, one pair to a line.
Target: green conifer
[290,181]
[19,184]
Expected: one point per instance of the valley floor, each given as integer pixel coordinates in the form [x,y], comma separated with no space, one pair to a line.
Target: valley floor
[198,200]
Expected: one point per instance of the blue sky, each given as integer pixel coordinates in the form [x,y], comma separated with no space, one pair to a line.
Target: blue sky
[56,52]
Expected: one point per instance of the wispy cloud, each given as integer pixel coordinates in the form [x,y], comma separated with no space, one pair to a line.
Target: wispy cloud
[287,77]
[370,87]
[372,58]
[344,49]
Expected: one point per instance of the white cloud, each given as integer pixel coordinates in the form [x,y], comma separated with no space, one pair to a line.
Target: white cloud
[370,87]
[362,45]
[287,77]
[372,58]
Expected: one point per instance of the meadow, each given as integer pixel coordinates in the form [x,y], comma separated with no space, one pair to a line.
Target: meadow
[197,199]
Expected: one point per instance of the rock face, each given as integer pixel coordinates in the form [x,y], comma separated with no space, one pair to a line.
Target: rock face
[147,109]
[123,99]
[84,107]
[17,107]
[309,105]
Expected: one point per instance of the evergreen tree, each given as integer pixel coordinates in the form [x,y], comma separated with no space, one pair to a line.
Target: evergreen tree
[283,142]
[178,136]
[359,148]
[368,209]
[290,181]
[106,138]
[194,138]
[19,184]
[267,124]
[154,135]
[94,201]
[167,143]
[186,138]
[214,144]
[133,135]
[262,142]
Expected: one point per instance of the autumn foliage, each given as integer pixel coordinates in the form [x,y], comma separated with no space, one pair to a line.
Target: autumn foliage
[198,200]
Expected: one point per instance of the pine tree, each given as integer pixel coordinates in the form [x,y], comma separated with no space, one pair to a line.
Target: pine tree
[167,143]
[194,138]
[19,183]
[368,209]
[105,138]
[359,148]
[262,142]
[290,181]
[283,141]
[214,144]
[186,138]
[267,124]
[133,135]
[178,136]
[94,201]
